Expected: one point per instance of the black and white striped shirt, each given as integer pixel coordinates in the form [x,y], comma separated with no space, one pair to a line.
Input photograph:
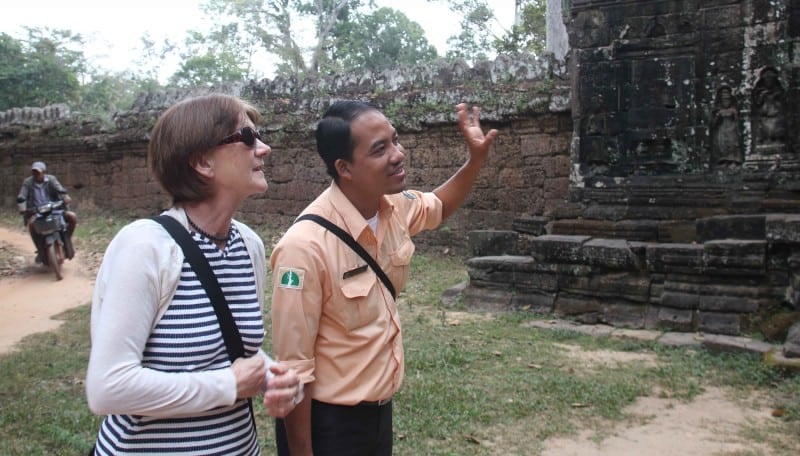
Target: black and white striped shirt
[186,339]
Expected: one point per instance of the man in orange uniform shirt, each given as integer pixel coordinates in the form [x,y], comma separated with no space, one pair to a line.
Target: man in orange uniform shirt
[333,319]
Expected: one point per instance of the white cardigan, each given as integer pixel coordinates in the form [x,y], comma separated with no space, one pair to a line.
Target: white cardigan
[134,286]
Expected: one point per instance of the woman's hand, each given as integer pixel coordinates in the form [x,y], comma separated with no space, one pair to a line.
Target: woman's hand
[284,391]
[251,375]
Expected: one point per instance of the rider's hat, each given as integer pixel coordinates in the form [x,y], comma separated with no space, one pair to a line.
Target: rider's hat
[39,166]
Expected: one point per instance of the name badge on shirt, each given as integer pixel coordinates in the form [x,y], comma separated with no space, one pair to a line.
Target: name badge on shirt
[355,271]
[291,278]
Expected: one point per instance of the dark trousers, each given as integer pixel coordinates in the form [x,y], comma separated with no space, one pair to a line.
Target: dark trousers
[341,430]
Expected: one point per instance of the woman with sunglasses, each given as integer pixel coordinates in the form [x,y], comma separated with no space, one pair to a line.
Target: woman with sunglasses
[158,367]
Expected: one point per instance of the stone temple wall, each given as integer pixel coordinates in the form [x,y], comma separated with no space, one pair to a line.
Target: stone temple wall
[526,98]
[685,175]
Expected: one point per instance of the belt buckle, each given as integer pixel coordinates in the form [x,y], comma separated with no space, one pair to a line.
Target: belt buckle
[376,403]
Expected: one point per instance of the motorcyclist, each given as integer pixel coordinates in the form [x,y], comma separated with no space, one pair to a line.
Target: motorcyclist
[40,188]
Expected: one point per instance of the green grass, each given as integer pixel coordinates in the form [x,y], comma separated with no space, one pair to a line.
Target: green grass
[42,398]
[466,382]
[475,384]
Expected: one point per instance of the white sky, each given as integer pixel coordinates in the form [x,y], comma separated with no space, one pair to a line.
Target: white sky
[113,28]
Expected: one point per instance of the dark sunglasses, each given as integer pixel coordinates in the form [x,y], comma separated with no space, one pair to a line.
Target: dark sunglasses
[246,135]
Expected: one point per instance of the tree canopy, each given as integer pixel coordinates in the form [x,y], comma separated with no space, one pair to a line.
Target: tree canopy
[480,37]
[42,69]
[379,40]
[305,38]
[49,67]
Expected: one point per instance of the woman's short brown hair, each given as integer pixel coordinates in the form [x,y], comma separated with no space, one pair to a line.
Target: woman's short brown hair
[187,130]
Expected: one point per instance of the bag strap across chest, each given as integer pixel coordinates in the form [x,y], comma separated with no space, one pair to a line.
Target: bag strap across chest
[344,236]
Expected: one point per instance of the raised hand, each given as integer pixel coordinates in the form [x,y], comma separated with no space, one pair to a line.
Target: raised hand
[470,126]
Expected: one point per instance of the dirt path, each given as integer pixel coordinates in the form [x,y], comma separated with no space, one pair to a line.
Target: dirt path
[31,297]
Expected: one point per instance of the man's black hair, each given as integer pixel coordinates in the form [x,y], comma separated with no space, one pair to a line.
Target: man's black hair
[334,140]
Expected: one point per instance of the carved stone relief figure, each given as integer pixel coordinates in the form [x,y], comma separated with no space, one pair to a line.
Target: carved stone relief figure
[726,141]
[769,115]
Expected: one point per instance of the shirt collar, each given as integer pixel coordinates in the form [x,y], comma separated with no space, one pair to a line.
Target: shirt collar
[354,222]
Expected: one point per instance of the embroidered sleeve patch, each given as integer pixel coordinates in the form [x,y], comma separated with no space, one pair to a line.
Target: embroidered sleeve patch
[291,278]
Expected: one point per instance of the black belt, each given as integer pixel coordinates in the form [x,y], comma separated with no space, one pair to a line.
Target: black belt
[379,403]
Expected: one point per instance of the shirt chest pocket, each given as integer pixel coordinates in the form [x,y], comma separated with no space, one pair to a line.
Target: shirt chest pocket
[361,305]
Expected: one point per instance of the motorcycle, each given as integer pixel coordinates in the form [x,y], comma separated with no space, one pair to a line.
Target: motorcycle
[51,236]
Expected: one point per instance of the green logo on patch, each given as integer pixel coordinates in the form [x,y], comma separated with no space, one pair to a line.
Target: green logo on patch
[291,278]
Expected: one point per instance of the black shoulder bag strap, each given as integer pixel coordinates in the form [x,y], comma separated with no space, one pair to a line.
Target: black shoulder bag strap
[199,263]
[343,235]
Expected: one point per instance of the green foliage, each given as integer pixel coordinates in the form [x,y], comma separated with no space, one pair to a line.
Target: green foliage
[478,38]
[49,67]
[108,93]
[348,34]
[221,55]
[207,70]
[474,41]
[529,34]
[271,25]
[40,70]
[380,40]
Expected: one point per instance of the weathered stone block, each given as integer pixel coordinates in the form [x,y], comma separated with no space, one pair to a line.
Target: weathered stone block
[717,343]
[678,300]
[582,227]
[608,286]
[503,263]
[783,228]
[675,319]
[623,314]
[680,231]
[533,302]
[731,227]
[509,271]
[656,292]
[732,304]
[487,299]
[791,348]
[492,242]
[570,305]
[719,323]
[611,254]
[734,257]
[675,258]
[552,248]
[637,230]
[609,212]
[531,225]
[536,281]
